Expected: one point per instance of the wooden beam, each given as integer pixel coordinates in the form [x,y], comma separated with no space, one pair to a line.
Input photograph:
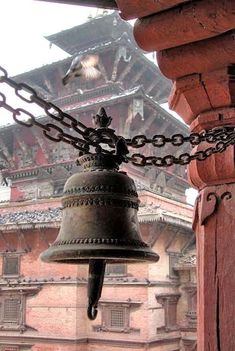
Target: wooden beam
[151,86]
[141,8]
[155,234]
[27,248]
[5,153]
[126,70]
[48,84]
[39,89]
[8,246]
[43,237]
[108,4]
[115,66]
[149,121]
[103,70]
[138,76]
[42,143]
[172,238]
[20,142]
[189,242]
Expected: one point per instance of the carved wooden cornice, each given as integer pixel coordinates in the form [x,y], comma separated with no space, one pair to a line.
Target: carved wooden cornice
[101,341]
[125,303]
[164,298]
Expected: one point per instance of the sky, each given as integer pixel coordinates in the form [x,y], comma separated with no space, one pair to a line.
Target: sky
[23,26]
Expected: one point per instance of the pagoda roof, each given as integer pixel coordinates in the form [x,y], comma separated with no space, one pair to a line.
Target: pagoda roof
[36,74]
[94,32]
[112,96]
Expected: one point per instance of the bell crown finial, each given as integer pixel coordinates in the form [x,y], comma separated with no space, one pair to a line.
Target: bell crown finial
[91,162]
[101,119]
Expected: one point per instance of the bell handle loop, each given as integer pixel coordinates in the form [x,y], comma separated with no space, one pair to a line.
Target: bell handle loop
[92,312]
[95,284]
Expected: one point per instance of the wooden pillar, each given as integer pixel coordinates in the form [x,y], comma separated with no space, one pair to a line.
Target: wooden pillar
[195,44]
[214,224]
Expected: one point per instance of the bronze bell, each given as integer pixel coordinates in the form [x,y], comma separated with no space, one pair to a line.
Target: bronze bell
[99,223]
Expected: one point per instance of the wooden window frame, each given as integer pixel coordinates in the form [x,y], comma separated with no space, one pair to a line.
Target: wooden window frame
[169,304]
[17,323]
[173,259]
[110,273]
[9,256]
[191,313]
[106,319]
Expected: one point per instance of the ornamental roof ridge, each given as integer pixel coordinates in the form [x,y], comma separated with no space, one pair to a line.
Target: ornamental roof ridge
[115,89]
[89,50]
[114,14]
[82,35]
[124,37]
[154,213]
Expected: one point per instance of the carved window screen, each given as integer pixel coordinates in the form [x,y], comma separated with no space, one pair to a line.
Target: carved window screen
[117,318]
[11,265]
[11,310]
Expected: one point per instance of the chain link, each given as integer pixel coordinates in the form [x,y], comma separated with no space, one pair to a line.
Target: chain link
[184,159]
[221,137]
[194,139]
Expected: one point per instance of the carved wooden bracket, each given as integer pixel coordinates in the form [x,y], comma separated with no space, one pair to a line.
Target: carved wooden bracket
[209,201]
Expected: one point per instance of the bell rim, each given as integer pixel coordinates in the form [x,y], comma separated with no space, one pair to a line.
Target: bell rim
[115,255]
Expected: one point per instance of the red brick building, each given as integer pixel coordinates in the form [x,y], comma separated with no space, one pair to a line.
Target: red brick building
[143,307]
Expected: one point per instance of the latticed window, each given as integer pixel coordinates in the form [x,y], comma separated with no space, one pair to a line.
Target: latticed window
[11,310]
[116,269]
[117,319]
[11,265]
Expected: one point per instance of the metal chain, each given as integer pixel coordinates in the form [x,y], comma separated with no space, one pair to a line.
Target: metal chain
[194,139]
[222,137]
[50,131]
[184,159]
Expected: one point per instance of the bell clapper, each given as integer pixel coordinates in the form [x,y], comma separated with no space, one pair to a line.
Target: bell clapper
[95,284]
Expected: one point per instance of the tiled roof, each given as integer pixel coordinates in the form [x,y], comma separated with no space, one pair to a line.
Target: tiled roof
[31,217]
[51,217]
